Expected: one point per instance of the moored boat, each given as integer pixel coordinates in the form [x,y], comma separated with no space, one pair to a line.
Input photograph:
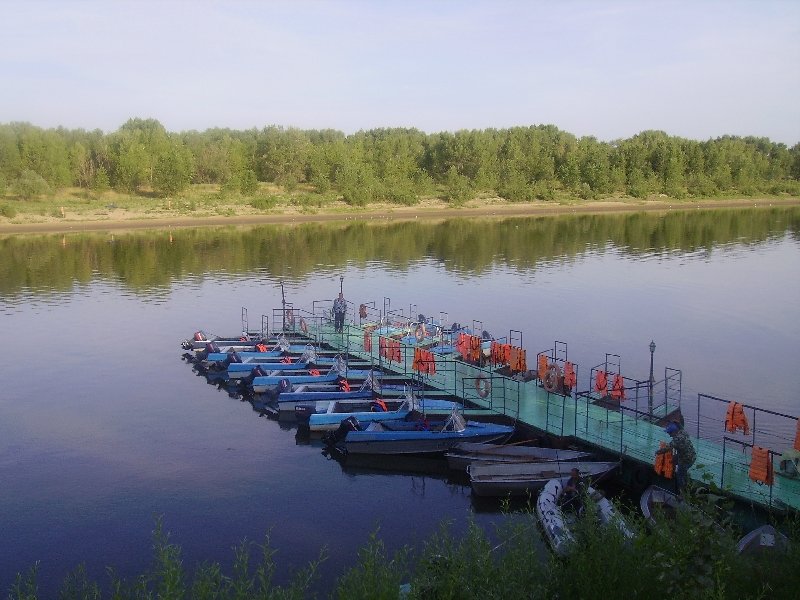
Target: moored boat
[557,524]
[414,437]
[762,539]
[460,456]
[521,478]
[376,411]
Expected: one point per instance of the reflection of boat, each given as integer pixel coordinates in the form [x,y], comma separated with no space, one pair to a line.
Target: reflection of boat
[462,455]
[556,522]
[412,437]
[762,539]
[503,479]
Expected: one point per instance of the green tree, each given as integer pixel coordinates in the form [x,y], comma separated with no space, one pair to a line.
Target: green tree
[172,171]
[30,184]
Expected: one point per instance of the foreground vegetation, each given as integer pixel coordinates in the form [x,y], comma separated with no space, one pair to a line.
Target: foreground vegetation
[692,558]
[141,163]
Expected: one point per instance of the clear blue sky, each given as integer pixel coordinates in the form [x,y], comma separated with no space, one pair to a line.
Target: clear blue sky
[697,69]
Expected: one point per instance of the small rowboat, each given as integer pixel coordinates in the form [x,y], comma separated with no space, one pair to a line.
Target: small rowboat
[521,478]
[466,453]
[763,539]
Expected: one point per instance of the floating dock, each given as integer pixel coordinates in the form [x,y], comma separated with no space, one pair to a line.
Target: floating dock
[631,428]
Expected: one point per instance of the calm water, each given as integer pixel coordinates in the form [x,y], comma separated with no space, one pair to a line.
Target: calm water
[103,427]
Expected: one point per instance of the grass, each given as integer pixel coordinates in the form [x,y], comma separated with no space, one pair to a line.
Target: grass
[205,200]
[688,558]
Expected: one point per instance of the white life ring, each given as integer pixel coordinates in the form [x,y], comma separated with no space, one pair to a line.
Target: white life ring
[419,333]
[552,378]
[482,386]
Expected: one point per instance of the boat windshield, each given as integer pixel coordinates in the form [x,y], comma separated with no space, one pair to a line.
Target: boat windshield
[455,422]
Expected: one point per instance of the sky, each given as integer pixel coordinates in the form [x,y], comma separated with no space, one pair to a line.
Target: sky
[609,69]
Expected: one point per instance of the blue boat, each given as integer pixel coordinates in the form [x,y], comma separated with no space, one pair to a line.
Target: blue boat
[271,382]
[411,437]
[376,411]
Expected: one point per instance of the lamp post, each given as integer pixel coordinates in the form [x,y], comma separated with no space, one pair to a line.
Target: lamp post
[341,284]
[652,381]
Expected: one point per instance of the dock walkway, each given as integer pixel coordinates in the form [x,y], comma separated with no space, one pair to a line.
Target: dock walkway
[626,433]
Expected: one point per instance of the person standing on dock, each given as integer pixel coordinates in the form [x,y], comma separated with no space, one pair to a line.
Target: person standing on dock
[684,453]
[339,310]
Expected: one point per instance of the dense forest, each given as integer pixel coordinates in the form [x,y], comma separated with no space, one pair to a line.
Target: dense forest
[395,165]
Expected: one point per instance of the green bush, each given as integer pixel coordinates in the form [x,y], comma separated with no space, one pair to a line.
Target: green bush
[264,202]
[8,211]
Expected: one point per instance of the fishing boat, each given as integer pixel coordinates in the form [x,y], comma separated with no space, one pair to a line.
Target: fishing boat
[557,522]
[761,540]
[522,478]
[413,437]
[376,411]
[460,456]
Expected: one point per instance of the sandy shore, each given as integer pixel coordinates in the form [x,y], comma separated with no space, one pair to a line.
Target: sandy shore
[381,213]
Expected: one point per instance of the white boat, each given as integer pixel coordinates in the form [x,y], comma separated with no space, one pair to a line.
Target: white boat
[521,478]
[762,539]
[556,523]
[466,453]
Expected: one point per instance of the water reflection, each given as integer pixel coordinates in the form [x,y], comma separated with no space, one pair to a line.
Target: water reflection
[150,263]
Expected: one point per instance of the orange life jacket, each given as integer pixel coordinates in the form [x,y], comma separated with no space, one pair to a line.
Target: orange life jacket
[570,378]
[367,341]
[618,388]
[313,372]
[286,360]
[518,361]
[344,385]
[261,347]
[417,364]
[761,470]
[601,383]
[379,403]
[663,464]
[797,437]
[541,367]
[735,419]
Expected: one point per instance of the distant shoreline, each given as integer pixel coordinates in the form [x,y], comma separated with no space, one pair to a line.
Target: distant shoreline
[393,213]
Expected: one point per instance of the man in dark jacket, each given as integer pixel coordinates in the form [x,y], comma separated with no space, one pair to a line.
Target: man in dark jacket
[684,452]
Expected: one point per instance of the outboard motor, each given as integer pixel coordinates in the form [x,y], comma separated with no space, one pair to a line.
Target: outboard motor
[303,412]
[203,354]
[421,318]
[234,357]
[332,438]
[486,335]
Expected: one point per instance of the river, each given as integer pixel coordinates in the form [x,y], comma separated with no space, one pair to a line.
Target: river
[103,428]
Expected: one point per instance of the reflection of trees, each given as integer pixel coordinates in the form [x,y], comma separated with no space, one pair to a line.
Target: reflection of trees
[143,261]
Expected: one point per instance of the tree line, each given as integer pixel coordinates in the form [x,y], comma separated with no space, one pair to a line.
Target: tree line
[398,165]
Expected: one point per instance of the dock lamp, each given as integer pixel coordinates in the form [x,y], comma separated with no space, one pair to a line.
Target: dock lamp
[652,380]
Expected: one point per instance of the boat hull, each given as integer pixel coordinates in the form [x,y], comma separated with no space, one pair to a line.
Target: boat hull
[519,479]
[463,455]
[420,441]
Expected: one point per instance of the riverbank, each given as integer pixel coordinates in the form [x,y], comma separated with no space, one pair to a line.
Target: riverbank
[114,218]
